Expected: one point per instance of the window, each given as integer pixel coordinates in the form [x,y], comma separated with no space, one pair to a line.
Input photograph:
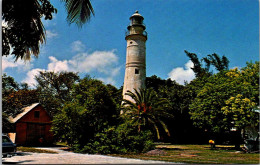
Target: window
[36,114]
[131,42]
[136,71]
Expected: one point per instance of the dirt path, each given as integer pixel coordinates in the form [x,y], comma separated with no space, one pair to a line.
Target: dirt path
[65,157]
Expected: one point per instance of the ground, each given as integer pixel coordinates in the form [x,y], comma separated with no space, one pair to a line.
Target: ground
[66,157]
[199,154]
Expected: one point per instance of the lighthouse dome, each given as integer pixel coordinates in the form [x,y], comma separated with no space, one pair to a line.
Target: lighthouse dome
[136,14]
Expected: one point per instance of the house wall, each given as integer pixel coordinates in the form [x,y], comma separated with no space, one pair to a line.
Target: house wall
[20,133]
[29,121]
[29,117]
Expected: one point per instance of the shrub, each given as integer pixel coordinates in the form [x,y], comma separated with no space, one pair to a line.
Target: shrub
[120,140]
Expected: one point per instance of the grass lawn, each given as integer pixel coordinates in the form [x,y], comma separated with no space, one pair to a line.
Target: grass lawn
[35,150]
[199,154]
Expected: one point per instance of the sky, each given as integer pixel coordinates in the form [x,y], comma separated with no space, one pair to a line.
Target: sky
[98,49]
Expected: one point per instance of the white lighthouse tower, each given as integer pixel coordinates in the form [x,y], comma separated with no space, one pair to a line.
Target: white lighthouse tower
[135,70]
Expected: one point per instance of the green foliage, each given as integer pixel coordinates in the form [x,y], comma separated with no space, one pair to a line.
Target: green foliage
[95,96]
[14,98]
[221,64]
[179,97]
[197,65]
[79,11]
[117,96]
[72,123]
[206,108]
[146,110]
[120,140]
[239,112]
[55,89]
[91,110]
[8,84]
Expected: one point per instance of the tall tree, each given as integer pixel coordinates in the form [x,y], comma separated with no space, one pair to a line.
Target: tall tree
[146,110]
[201,70]
[197,65]
[55,89]
[219,63]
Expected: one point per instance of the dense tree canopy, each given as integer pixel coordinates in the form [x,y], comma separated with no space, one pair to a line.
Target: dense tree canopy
[14,97]
[206,108]
[90,111]
[239,112]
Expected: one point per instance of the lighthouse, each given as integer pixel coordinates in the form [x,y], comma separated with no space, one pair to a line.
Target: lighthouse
[135,68]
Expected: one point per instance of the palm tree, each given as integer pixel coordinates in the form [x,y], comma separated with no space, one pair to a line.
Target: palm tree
[23,31]
[146,110]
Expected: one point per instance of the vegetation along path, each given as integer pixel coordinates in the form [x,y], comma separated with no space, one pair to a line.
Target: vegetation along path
[66,157]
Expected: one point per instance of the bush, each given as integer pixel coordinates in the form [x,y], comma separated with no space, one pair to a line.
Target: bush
[120,140]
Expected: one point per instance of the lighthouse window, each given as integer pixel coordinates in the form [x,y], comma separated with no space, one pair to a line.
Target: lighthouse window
[136,71]
[131,42]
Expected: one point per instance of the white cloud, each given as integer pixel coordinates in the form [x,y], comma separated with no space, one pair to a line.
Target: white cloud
[108,80]
[57,66]
[9,62]
[101,62]
[78,46]
[30,77]
[182,74]
[51,34]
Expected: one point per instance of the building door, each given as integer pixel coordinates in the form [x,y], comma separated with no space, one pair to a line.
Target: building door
[35,131]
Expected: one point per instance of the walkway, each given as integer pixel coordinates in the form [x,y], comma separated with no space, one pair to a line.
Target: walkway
[65,157]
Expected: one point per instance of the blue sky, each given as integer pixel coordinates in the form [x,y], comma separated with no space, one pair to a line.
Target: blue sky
[225,27]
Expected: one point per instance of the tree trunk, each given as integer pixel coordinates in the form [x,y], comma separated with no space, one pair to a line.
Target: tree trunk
[237,139]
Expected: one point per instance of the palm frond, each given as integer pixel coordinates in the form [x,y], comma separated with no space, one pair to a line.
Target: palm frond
[146,108]
[79,11]
[165,127]
[156,128]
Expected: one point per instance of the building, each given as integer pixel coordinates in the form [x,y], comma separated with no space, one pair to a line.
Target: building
[135,70]
[32,126]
